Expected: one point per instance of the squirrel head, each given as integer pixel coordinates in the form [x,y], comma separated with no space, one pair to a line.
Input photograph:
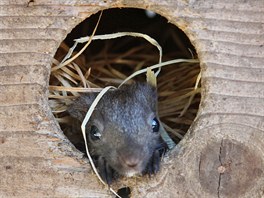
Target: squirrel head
[124,127]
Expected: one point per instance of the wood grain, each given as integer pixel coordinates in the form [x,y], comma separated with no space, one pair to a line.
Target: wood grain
[36,160]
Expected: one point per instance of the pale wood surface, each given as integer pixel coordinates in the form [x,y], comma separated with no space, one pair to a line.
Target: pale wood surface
[35,158]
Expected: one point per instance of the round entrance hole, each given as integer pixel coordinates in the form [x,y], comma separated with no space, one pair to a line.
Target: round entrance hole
[109,62]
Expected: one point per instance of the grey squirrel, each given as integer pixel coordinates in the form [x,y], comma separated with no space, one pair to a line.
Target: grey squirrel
[123,132]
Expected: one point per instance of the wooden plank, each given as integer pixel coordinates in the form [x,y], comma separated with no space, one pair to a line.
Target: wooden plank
[23,34]
[44,10]
[21,94]
[232,37]
[24,59]
[37,22]
[232,73]
[23,74]
[225,59]
[253,51]
[18,117]
[36,46]
[217,103]
[207,120]
[236,88]
[237,5]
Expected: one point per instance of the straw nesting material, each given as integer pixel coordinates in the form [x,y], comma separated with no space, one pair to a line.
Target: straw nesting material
[175,83]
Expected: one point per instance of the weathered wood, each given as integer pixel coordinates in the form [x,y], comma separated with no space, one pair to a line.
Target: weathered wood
[221,156]
[23,74]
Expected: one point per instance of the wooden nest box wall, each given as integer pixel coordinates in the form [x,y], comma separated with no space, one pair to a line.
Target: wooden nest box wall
[223,152]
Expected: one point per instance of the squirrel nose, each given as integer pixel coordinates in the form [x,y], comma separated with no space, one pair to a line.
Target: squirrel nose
[130,161]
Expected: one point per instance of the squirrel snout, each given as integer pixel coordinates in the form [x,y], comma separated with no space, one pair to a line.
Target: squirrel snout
[130,161]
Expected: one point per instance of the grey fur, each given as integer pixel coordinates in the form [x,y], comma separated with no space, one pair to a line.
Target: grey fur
[124,119]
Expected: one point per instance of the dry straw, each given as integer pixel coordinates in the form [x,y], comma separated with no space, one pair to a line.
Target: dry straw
[178,85]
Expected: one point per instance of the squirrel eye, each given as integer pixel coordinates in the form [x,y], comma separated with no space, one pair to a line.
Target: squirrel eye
[155,125]
[94,133]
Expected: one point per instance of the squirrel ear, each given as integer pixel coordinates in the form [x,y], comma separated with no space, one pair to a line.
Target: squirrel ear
[148,93]
[80,106]
[152,96]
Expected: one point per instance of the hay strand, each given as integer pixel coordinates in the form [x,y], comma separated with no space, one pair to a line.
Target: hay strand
[178,83]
